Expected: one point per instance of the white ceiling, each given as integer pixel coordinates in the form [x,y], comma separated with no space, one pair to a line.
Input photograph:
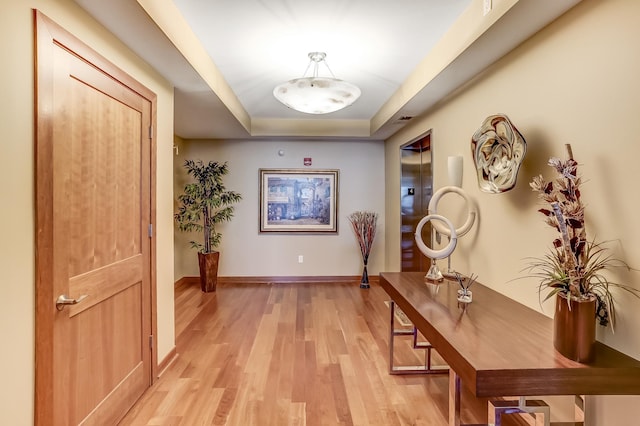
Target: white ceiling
[258,44]
[374,44]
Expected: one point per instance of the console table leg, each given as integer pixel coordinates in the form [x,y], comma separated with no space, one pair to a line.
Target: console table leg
[533,408]
[392,312]
[454,398]
[427,368]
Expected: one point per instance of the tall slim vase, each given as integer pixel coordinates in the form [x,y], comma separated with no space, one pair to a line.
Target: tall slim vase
[364,282]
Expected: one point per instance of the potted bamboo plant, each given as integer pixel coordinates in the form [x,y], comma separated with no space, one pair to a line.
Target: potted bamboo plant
[204,203]
[574,271]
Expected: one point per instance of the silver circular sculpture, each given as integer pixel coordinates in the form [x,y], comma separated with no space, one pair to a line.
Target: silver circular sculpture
[498,150]
[434,273]
[433,209]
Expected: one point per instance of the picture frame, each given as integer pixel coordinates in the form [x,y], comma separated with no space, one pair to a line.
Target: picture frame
[299,201]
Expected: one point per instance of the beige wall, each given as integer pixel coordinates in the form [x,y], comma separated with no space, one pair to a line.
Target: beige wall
[246,252]
[17,190]
[574,82]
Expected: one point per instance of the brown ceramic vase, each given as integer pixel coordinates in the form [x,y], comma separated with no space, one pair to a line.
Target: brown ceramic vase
[574,328]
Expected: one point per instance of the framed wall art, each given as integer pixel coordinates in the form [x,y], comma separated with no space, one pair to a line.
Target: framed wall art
[298,201]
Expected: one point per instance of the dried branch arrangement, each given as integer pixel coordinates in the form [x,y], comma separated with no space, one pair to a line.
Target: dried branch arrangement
[364,225]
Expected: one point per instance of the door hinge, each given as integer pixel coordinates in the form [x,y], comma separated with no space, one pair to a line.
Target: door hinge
[151,341]
[150,132]
[150,230]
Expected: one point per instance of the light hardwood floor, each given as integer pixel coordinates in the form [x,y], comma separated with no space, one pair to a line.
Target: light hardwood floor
[291,354]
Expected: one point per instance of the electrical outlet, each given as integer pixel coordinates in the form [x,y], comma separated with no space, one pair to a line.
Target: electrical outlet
[300,258]
[486,7]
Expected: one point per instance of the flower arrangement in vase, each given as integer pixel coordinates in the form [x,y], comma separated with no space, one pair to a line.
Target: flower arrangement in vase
[573,270]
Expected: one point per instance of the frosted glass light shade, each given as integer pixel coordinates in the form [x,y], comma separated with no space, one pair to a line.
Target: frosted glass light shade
[316,95]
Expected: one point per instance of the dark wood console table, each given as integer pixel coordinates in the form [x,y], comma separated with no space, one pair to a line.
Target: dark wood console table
[498,347]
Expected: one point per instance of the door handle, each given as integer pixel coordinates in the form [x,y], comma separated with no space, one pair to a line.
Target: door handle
[64,300]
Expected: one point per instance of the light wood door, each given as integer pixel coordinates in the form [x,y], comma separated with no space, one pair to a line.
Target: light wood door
[93,168]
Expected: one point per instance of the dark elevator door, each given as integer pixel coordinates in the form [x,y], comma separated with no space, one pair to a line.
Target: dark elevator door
[416,189]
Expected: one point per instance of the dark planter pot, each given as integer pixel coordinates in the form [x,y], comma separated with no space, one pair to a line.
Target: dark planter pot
[574,328]
[208,263]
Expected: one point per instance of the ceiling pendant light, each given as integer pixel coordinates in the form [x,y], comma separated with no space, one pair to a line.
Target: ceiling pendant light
[316,95]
